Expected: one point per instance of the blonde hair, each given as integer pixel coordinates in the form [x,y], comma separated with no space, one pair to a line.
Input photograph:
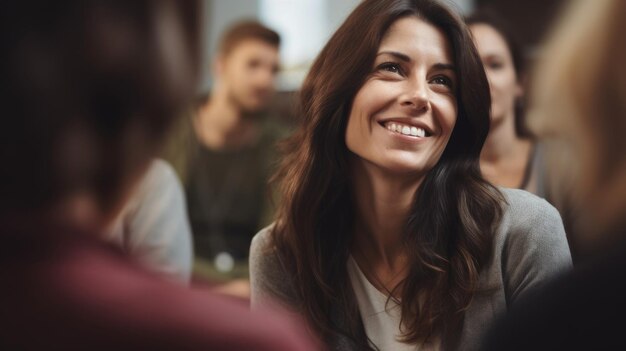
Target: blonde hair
[579,109]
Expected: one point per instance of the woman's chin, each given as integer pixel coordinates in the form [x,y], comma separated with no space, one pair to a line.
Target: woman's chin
[404,169]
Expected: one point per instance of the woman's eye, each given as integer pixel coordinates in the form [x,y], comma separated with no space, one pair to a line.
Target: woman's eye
[495,65]
[442,80]
[391,67]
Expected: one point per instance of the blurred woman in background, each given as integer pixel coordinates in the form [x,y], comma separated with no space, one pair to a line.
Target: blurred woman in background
[510,157]
[388,236]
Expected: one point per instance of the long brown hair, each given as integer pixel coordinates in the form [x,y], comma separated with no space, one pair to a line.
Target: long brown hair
[450,227]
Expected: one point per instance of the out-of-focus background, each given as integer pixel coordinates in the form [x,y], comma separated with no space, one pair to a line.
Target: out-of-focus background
[306,25]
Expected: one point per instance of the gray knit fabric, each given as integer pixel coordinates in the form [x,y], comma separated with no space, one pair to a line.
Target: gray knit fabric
[530,247]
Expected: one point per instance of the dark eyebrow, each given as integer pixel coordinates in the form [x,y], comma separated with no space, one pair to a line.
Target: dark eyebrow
[396,54]
[406,58]
[444,66]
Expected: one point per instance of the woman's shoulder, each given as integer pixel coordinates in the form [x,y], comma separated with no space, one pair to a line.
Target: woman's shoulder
[530,224]
[530,246]
[262,242]
[531,230]
[269,279]
[524,208]
[264,262]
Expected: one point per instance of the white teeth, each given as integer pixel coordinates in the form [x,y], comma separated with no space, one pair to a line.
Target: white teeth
[406,130]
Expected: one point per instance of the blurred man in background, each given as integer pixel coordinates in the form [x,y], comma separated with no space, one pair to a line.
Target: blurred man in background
[224,151]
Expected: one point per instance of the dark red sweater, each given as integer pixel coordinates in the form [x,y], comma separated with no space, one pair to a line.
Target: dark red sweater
[73,292]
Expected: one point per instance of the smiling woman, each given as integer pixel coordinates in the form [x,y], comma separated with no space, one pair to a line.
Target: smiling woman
[388,237]
[410,95]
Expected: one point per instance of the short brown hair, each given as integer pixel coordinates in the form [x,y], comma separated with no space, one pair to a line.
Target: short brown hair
[246,30]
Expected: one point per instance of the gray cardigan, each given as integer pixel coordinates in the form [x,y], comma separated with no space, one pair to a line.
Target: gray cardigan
[530,247]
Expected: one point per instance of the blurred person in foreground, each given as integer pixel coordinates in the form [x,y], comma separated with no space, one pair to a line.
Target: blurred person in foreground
[579,110]
[224,151]
[89,89]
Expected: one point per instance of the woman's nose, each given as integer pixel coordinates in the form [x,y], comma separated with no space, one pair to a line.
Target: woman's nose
[416,95]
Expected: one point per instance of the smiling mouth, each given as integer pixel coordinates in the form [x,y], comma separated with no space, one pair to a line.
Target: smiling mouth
[405,129]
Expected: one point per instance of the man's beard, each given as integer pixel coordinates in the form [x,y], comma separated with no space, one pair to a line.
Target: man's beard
[246,112]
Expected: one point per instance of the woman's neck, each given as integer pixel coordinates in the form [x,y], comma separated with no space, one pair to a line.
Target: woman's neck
[504,157]
[383,202]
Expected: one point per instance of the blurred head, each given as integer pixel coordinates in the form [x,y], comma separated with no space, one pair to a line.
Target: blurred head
[503,62]
[91,88]
[579,109]
[247,64]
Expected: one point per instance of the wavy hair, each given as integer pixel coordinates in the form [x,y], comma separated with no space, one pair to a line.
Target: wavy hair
[450,227]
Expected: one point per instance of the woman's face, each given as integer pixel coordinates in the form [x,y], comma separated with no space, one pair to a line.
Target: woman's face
[402,117]
[498,62]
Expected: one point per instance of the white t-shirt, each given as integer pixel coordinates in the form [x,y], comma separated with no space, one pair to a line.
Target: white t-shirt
[381,318]
[153,226]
